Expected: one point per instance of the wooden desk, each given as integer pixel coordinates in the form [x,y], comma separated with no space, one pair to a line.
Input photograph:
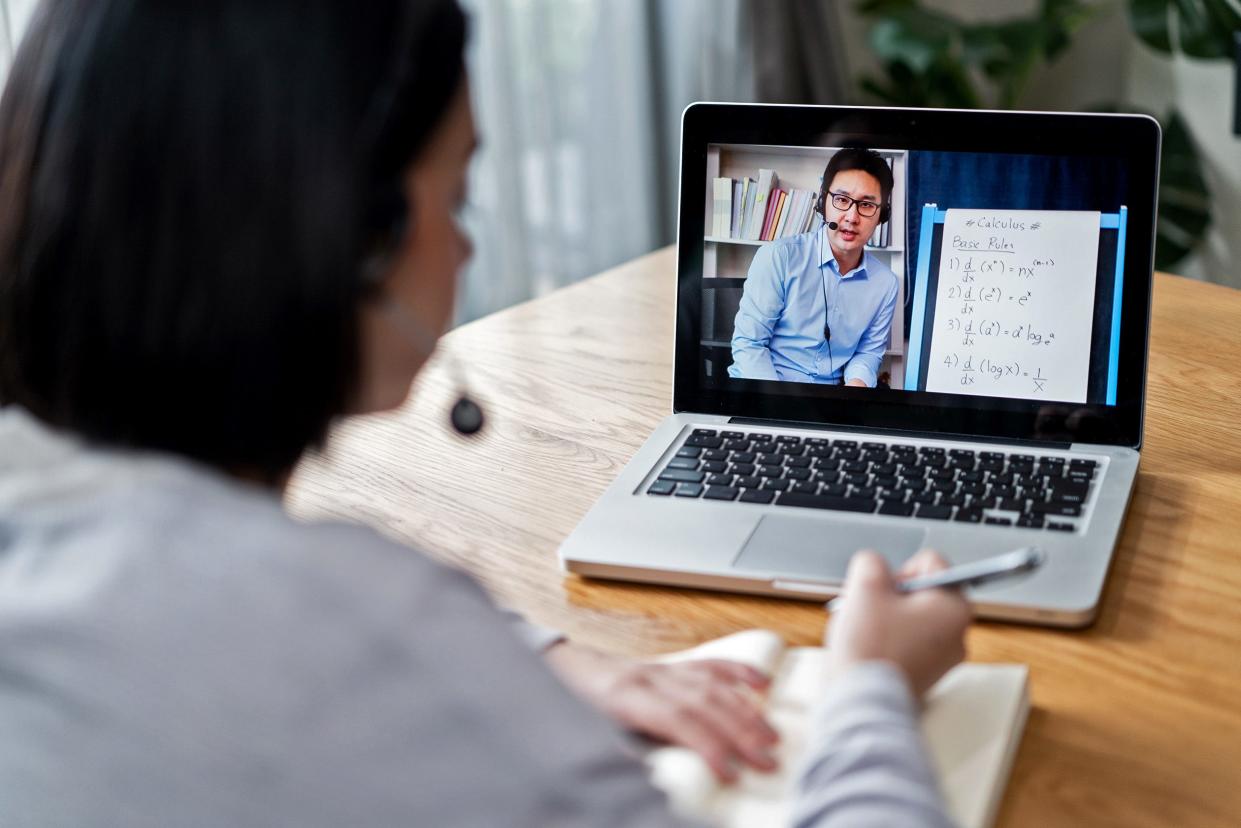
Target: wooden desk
[1136,721]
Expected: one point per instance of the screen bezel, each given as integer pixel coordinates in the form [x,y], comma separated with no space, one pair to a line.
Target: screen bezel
[1134,139]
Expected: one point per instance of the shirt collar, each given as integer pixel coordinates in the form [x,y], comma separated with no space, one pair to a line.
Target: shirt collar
[828,259]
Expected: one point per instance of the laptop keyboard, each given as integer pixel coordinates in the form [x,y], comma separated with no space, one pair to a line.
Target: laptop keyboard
[897,479]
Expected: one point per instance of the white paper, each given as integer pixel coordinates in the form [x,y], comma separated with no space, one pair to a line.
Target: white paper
[1014,307]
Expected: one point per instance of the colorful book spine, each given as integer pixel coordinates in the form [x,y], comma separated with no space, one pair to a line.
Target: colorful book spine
[722,213]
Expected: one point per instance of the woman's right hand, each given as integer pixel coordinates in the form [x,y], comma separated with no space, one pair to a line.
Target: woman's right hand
[922,633]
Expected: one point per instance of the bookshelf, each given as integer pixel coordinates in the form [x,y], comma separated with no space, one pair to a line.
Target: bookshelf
[726,261]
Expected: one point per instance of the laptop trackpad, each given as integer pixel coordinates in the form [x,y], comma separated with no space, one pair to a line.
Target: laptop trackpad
[819,549]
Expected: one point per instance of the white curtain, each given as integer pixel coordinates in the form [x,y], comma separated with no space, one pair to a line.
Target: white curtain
[14,15]
[578,105]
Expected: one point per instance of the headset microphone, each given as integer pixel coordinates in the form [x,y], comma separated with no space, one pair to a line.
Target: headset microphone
[831,225]
[466,415]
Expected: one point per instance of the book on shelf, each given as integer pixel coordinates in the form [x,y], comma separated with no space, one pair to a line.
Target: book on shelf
[762,197]
[971,723]
[721,216]
[737,196]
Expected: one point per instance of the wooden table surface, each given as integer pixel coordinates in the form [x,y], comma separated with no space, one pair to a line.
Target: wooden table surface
[1136,721]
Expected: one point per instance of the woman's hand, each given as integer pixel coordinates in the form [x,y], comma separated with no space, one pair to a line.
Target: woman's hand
[710,706]
[922,633]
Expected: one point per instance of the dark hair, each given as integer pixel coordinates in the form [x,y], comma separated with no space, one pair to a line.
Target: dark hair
[866,160]
[186,193]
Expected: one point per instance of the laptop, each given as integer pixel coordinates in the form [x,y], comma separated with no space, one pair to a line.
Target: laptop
[896,329]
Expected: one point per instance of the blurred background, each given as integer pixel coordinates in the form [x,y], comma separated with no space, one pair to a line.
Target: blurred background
[579,103]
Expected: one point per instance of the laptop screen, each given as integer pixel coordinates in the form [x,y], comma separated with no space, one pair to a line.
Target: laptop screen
[928,270]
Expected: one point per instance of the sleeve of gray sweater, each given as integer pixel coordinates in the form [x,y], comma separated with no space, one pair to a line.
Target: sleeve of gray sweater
[174,650]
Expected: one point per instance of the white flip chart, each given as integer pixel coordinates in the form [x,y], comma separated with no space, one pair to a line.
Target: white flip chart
[1014,306]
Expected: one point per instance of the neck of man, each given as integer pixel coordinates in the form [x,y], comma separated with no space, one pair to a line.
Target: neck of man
[844,261]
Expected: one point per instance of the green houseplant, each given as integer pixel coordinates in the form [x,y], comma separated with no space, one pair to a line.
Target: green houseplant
[931,58]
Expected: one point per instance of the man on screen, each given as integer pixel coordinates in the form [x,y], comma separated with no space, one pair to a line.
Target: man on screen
[817,307]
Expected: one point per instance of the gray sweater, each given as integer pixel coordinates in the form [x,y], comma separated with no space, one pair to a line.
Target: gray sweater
[175,650]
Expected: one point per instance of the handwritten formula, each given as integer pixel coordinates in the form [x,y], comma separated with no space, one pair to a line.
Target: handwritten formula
[1015,304]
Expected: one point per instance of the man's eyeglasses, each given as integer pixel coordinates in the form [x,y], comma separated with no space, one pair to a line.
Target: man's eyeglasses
[842,202]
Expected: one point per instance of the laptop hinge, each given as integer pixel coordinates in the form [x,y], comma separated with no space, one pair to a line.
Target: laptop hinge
[893,432]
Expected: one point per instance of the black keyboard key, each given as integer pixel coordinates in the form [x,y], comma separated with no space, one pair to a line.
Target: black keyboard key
[1051,461]
[970,477]
[683,463]
[770,459]
[991,465]
[926,450]
[776,485]
[828,477]
[743,469]
[883,468]
[714,466]
[689,451]
[1059,527]
[952,500]
[805,488]
[845,444]
[790,450]
[704,432]
[886,481]
[867,492]
[798,474]
[1021,458]
[933,460]
[856,466]
[962,463]
[748,482]
[992,455]
[968,516]
[927,510]
[961,453]
[817,441]
[843,504]
[733,435]
[1067,496]
[798,462]
[1060,509]
[901,447]
[720,480]
[681,475]
[874,446]
[940,474]
[1082,463]
[895,507]
[688,490]
[661,487]
[745,457]
[947,486]
[849,454]
[1004,492]
[922,497]
[1030,521]
[828,464]
[835,489]
[757,496]
[721,493]
[998,521]
[788,438]
[819,451]
[1079,474]
[737,445]
[973,488]
[774,472]
[704,441]
[1011,504]
[715,454]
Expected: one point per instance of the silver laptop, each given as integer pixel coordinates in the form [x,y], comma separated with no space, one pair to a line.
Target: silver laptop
[896,329]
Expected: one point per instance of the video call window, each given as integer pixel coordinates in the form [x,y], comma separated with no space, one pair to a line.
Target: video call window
[984,274]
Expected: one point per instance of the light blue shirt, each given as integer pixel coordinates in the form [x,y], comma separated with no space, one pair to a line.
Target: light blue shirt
[792,285]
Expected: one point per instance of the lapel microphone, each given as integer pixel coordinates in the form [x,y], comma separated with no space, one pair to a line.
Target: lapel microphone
[466,415]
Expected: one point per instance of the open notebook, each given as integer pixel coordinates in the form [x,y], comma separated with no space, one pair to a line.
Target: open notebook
[972,725]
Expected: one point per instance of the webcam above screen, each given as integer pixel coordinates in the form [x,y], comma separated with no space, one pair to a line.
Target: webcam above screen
[945,271]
